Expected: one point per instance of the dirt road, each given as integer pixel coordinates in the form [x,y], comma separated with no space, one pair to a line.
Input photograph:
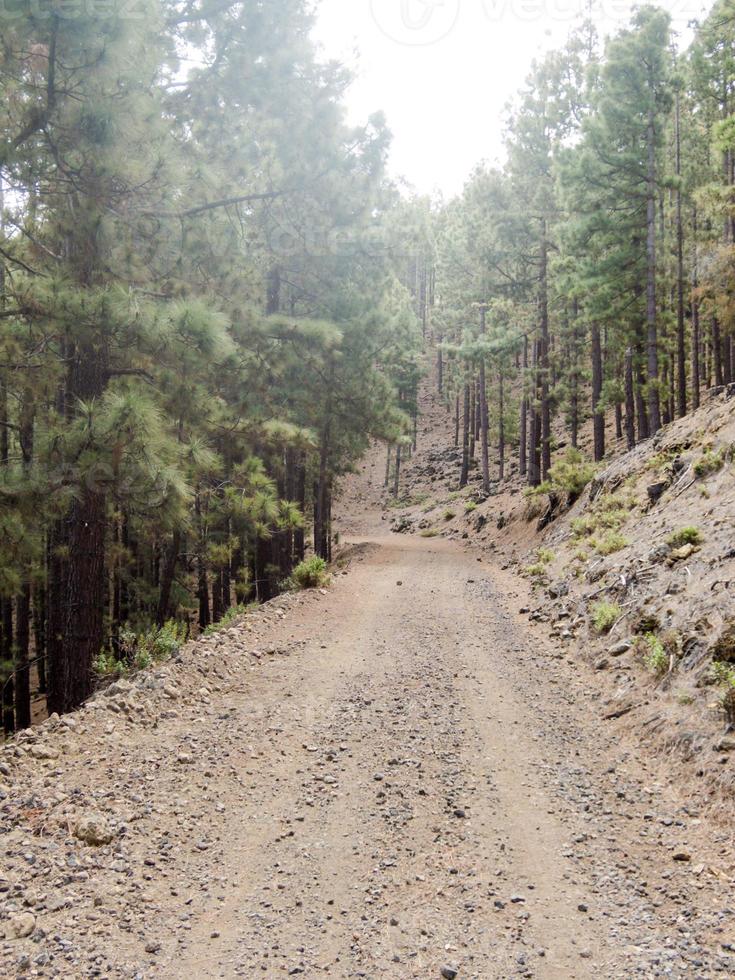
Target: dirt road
[419,784]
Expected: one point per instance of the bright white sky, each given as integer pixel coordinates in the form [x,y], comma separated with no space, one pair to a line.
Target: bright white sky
[443,70]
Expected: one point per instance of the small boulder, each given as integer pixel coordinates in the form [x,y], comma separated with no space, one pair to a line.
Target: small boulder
[94,829]
[656,491]
[44,752]
[20,926]
[619,649]
[683,553]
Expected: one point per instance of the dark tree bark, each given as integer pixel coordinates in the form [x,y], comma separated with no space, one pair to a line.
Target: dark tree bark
[23,601]
[629,399]
[22,658]
[76,614]
[598,417]
[545,406]
[39,634]
[717,352]
[6,659]
[681,377]
[534,423]
[654,408]
[201,567]
[484,420]
[501,425]
[299,543]
[574,378]
[523,426]
[168,573]
[473,417]
[696,330]
[465,473]
[397,471]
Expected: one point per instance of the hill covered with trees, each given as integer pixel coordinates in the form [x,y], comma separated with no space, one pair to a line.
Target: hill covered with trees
[203,322]
[590,277]
[213,298]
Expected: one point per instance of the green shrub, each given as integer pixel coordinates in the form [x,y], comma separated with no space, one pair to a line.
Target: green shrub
[310,574]
[233,613]
[655,656]
[582,527]
[609,543]
[536,571]
[142,650]
[545,556]
[449,515]
[166,641]
[107,665]
[605,615]
[429,532]
[710,462]
[572,473]
[685,535]
[470,506]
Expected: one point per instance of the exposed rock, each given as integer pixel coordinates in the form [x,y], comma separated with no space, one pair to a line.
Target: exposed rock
[42,751]
[20,926]
[726,744]
[93,829]
[619,649]
[656,491]
[681,554]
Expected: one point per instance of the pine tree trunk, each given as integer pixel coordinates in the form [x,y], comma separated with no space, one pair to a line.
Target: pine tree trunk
[501,425]
[168,573]
[201,566]
[299,536]
[6,605]
[456,422]
[23,601]
[696,330]
[629,399]
[440,366]
[523,426]
[641,409]
[680,326]
[76,618]
[464,475]
[473,417]
[397,471]
[717,352]
[22,658]
[654,408]
[598,417]
[544,358]
[39,634]
[321,536]
[534,425]
[6,660]
[484,419]
[574,377]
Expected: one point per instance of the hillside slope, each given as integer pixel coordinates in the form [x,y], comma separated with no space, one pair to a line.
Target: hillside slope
[409,774]
[636,577]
